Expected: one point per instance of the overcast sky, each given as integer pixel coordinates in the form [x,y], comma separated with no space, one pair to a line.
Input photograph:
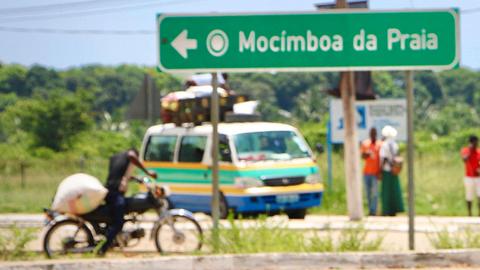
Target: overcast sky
[23,24]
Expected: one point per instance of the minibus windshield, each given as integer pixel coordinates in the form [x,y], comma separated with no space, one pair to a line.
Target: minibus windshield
[270,145]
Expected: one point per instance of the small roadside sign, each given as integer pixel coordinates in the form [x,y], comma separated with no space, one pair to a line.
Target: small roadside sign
[370,114]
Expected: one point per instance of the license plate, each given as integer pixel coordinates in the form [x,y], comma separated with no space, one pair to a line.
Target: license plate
[288,198]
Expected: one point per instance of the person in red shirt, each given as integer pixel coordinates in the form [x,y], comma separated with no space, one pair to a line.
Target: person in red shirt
[370,153]
[471,158]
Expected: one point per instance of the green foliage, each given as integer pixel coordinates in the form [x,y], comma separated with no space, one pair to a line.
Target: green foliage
[388,84]
[461,85]
[12,80]
[314,133]
[101,143]
[320,243]
[284,96]
[445,102]
[56,119]
[43,174]
[430,143]
[267,235]
[452,118]
[312,105]
[45,168]
[464,239]
[7,100]
[334,198]
[51,122]
[438,183]
[14,241]
[111,88]
[355,239]
[40,80]
[259,236]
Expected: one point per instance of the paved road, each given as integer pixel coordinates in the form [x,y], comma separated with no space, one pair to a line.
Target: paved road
[393,229]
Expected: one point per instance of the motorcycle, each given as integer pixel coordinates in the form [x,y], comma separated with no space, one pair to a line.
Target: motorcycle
[174,231]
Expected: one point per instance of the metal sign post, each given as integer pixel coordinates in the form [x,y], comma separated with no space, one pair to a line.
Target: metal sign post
[329,155]
[215,183]
[410,156]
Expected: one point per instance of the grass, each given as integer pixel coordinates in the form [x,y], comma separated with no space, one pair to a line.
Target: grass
[268,235]
[14,241]
[464,239]
[264,235]
[41,181]
[438,183]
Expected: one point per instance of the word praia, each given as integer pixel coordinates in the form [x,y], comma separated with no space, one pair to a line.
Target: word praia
[312,43]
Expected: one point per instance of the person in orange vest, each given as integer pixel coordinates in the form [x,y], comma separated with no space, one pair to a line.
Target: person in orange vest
[471,158]
[370,154]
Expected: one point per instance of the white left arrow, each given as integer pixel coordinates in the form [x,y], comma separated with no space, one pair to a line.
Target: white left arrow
[182,44]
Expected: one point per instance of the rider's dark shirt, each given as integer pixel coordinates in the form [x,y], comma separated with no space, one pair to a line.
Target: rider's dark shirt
[116,170]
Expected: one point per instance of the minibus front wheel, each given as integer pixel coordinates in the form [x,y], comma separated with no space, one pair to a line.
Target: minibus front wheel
[297,213]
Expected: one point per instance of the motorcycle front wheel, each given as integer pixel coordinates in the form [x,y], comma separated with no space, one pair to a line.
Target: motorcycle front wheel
[66,237]
[178,234]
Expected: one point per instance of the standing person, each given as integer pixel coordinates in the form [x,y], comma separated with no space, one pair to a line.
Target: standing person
[392,201]
[471,158]
[119,172]
[370,150]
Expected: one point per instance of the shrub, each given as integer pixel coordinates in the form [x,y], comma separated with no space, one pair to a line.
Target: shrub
[13,243]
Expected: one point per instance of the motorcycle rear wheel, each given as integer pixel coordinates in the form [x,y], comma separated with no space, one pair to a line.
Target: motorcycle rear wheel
[67,236]
[184,235]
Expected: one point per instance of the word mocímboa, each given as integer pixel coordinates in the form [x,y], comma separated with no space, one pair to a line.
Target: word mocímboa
[312,43]
[289,43]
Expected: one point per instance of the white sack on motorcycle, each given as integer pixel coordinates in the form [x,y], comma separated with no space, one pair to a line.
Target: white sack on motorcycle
[79,194]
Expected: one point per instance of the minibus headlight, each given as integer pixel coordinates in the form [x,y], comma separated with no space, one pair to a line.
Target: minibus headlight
[313,178]
[247,182]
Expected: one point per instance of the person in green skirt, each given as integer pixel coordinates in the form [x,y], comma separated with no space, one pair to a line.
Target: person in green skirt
[391,193]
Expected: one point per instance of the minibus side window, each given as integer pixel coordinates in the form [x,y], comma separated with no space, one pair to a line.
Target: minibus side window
[224,149]
[192,148]
[160,148]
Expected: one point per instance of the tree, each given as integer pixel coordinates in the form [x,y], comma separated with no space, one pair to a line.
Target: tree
[12,80]
[388,84]
[452,117]
[52,122]
[460,85]
[42,79]
[7,100]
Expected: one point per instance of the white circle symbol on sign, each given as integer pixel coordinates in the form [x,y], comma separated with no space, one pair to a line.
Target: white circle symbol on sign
[217,43]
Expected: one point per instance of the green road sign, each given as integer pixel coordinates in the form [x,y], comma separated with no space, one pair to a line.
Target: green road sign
[334,40]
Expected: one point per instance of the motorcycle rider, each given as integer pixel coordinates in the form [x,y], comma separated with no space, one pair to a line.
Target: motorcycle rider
[119,172]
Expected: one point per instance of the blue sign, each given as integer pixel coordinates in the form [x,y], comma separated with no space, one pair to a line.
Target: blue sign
[361,118]
[370,114]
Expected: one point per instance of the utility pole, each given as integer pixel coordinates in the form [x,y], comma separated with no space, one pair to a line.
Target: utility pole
[215,183]
[149,100]
[410,156]
[351,151]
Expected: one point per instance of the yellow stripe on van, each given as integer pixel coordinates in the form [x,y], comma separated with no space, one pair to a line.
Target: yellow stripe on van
[174,165]
[225,167]
[255,191]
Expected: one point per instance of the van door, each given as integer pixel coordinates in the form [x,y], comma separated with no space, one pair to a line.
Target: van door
[192,183]
[226,175]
